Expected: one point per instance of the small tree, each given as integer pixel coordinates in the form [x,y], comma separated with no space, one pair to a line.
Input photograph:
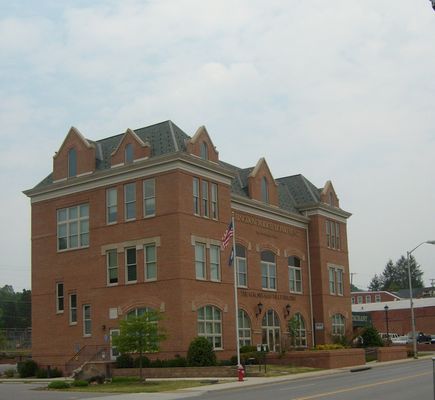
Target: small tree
[200,353]
[141,335]
[371,338]
[293,329]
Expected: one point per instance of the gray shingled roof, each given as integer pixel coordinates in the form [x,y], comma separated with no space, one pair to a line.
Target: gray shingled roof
[166,137]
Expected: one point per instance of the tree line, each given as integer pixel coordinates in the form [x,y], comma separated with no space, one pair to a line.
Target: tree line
[15,308]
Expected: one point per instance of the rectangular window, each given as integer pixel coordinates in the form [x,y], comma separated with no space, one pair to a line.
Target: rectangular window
[130,201]
[73,309]
[205,198]
[130,264]
[215,270]
[359,299]
[60,299]
[339,275]
[196,210]
[150,262]
[112,266]
[377,298]
[149,195]
[353,300]
[337,236]
[368,299]
[295,276]
[112,205]
[268,275]
[87,321]
[214,201]
[332,225]
[328,234]
[73,227]
[333,235]
[200,260]
[242,272]
[332,289]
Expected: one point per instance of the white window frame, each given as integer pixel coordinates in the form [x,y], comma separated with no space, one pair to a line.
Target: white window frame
[368,299]
[131,265]
[87,320]
[205,200]
[332,282]
[301,331]
[200,264]
[110,206]
[60,298]
[150,262]
[378,298]
[196,201]
[268,272]
[214,201]
[245,331]
[338,325]
[214,335]
[359,299]
[339,279]
[81,220]
[215,267]
[295,281]
[73,310]
[127,202]
[110,267]
[240,260]
[149,197]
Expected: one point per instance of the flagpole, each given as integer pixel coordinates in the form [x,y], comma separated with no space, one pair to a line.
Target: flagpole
[236,303]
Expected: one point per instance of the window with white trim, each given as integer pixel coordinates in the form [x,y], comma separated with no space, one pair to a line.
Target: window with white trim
[72,162]
[150,262]
[112,266]
[130,265]
[244,328]
[242,266]
[210,325]
[338,325]
[295,274]
[87,320]
[215,268]
[331,273]
[264,190]
[128,153]
[196,209]
[200,261]
[377,298]
[300,332]
[73,309]
[203,152]
[149,194]
[130,201]
[332,235]
[339,275]
[336,280]
[205,199]
[214,201]
[368,299]
[359,299]
[112,205]
[60,297]
[73,227]
[268,270]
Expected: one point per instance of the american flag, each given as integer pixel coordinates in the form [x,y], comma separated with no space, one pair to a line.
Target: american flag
[227,235]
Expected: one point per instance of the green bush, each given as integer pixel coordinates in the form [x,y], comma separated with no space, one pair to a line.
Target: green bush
[80,383]
[97,378]
[58,385]
[331,346]
[248,349]
[41,373]
[371,338]
[9,373]
[200,353]
[124,361]
[176,362]
[55,373]
[145,362]
[27,368]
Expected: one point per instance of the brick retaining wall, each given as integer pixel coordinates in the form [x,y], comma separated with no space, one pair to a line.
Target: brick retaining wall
[391,353]
[181,372]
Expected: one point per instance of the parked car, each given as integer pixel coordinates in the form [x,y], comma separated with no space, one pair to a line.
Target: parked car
[401,340]
[432,339]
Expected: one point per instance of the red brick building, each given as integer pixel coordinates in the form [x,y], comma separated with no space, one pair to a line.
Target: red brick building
[377,296]
[135,221]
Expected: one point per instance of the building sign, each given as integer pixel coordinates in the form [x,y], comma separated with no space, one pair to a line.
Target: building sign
[261,223]
[263,295]
[360,319]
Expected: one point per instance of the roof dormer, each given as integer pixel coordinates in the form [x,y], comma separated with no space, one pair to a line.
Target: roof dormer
[262,185]
[75,157]
[202,146]
[131,148]
[329,196]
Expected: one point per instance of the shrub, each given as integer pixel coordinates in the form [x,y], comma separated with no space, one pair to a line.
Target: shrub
[55,373]
[27,368]
[332,346]
[176,362]
[9,373]
[97,379]
[145,362]
[124,361]
[248,349]
[371,338]
[80,383]
[157,363]
[41,373]
[58,385]
[201,353]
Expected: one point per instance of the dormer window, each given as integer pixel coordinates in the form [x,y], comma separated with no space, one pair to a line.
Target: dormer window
[128,153]
[264,190]
[72,162]
[331,199]
[204,151]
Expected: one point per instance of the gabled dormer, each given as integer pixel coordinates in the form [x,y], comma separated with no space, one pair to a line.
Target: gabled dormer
[75,157]
[262,185]
[131,148]
[202,146]
[329,196]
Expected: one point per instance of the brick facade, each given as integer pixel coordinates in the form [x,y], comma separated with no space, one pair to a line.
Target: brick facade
[284,227]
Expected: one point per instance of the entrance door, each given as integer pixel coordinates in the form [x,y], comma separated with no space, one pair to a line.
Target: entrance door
[271,332]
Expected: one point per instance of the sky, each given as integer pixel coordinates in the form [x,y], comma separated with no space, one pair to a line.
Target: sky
[335,90]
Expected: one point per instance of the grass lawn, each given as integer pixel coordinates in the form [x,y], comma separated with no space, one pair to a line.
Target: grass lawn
[132,385]
[279,370]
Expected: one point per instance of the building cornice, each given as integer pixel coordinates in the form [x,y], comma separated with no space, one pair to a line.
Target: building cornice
[156,165]
[324,210]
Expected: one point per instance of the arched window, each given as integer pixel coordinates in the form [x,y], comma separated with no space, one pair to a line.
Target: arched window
[210,325]
[338,325]
[271,332]
[203,153]
[72,162]
[299,331]
[244,329]
[264,190]
[138,312]
[295,275]
[128,156]
[268,270]
[242,266]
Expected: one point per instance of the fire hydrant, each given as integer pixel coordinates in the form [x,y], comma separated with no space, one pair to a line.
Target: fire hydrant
[240,372]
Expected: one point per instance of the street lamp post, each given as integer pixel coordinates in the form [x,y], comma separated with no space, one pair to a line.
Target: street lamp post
[414,336]
[386,320]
